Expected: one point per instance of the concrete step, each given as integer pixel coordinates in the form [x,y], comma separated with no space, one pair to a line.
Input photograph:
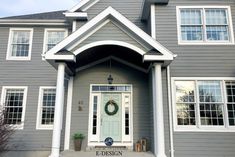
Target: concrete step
[104,153]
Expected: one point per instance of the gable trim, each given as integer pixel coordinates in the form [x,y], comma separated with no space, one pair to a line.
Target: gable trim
[111,13]
[83,5]
[109,42]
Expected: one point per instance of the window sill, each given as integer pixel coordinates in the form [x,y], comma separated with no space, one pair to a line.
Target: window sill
[205,129]
[18,58]
[49,127]
[206,43]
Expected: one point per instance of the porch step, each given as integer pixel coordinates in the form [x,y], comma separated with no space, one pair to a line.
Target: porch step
[72,153]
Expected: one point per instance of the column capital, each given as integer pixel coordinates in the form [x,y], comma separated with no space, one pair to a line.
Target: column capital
[157,64]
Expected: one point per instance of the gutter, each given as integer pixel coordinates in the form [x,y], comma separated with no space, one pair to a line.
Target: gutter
[170,112]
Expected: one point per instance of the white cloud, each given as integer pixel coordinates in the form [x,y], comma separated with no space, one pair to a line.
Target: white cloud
[21,7]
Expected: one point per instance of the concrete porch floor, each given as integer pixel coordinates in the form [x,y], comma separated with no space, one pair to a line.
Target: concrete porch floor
[93,154]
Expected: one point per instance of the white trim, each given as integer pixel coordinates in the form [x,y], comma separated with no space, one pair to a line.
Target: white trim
[10,38]
[198,127]
[153,21]
[81,15]
[3,97]
[111,13]
[114,58]
[109,42]
[88,35]
[205,42]
[68,114]
[45,41]
[94,140]
[74,27]
[82,5]
[90,5]
[172,150]
[40,126]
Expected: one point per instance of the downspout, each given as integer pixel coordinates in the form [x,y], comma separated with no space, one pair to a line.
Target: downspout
[170,112]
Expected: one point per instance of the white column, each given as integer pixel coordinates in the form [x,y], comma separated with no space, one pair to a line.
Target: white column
[55,150]
[158,122]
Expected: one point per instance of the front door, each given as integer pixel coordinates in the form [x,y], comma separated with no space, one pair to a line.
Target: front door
[111,116]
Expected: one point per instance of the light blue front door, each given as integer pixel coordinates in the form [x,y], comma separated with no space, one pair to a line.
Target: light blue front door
[111,125]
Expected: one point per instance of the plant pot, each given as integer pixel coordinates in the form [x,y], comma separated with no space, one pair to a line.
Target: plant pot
[77,144]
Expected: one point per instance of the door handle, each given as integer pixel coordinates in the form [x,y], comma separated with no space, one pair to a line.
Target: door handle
[101,121]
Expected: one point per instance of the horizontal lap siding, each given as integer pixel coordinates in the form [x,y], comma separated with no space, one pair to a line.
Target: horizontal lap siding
[131,9]
[33,73]
[197,61]
[122,75]
[111,32]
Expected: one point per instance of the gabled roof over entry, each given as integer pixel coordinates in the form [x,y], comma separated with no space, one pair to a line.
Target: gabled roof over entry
[110,14]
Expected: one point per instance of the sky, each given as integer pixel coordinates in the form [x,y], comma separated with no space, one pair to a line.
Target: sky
[22,7]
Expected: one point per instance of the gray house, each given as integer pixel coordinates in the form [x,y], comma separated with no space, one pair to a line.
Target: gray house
[163,70]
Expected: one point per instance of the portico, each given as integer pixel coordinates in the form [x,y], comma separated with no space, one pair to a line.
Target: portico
[139,55]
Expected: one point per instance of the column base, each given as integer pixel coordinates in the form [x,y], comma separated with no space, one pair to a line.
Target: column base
[160,155]
[55,153]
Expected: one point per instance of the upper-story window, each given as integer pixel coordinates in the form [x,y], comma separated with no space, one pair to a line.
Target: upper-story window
[204,25]
[53,37]
[20,44]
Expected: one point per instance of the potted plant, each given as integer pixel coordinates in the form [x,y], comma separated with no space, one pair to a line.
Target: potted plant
[78,137]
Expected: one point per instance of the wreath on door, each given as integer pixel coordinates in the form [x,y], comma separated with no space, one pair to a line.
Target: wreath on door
[112,103]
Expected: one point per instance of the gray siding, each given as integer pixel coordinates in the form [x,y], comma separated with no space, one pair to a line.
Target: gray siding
[122,75]
[131,9]
[111,32]
[197,61]
[33,73]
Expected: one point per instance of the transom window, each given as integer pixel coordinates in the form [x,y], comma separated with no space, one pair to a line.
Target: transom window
[46,107]
[204,25]
[14,102]
[53,37]
[204,104]
[20,44]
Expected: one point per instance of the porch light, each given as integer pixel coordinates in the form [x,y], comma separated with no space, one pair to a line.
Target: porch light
[110,79]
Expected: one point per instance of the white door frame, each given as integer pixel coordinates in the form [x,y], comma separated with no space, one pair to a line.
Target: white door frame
[94,140]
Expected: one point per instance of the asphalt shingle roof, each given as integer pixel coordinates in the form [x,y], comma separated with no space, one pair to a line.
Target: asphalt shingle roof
[55,15]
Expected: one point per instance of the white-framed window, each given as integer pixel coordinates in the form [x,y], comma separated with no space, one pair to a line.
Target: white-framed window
[20,44]
[204,25]
[203,104]
[46,108]
[53,36]
[13,101]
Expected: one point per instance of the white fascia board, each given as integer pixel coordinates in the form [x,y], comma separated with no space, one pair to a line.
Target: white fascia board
[61,57]
[119,18]
[157,57]
[81,15]
[79,5]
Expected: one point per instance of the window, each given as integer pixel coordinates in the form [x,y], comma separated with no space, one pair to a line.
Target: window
[46,107]
[14,101]
[204,104]
[53,37]
[204,25]
[20,44]
[95,105]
